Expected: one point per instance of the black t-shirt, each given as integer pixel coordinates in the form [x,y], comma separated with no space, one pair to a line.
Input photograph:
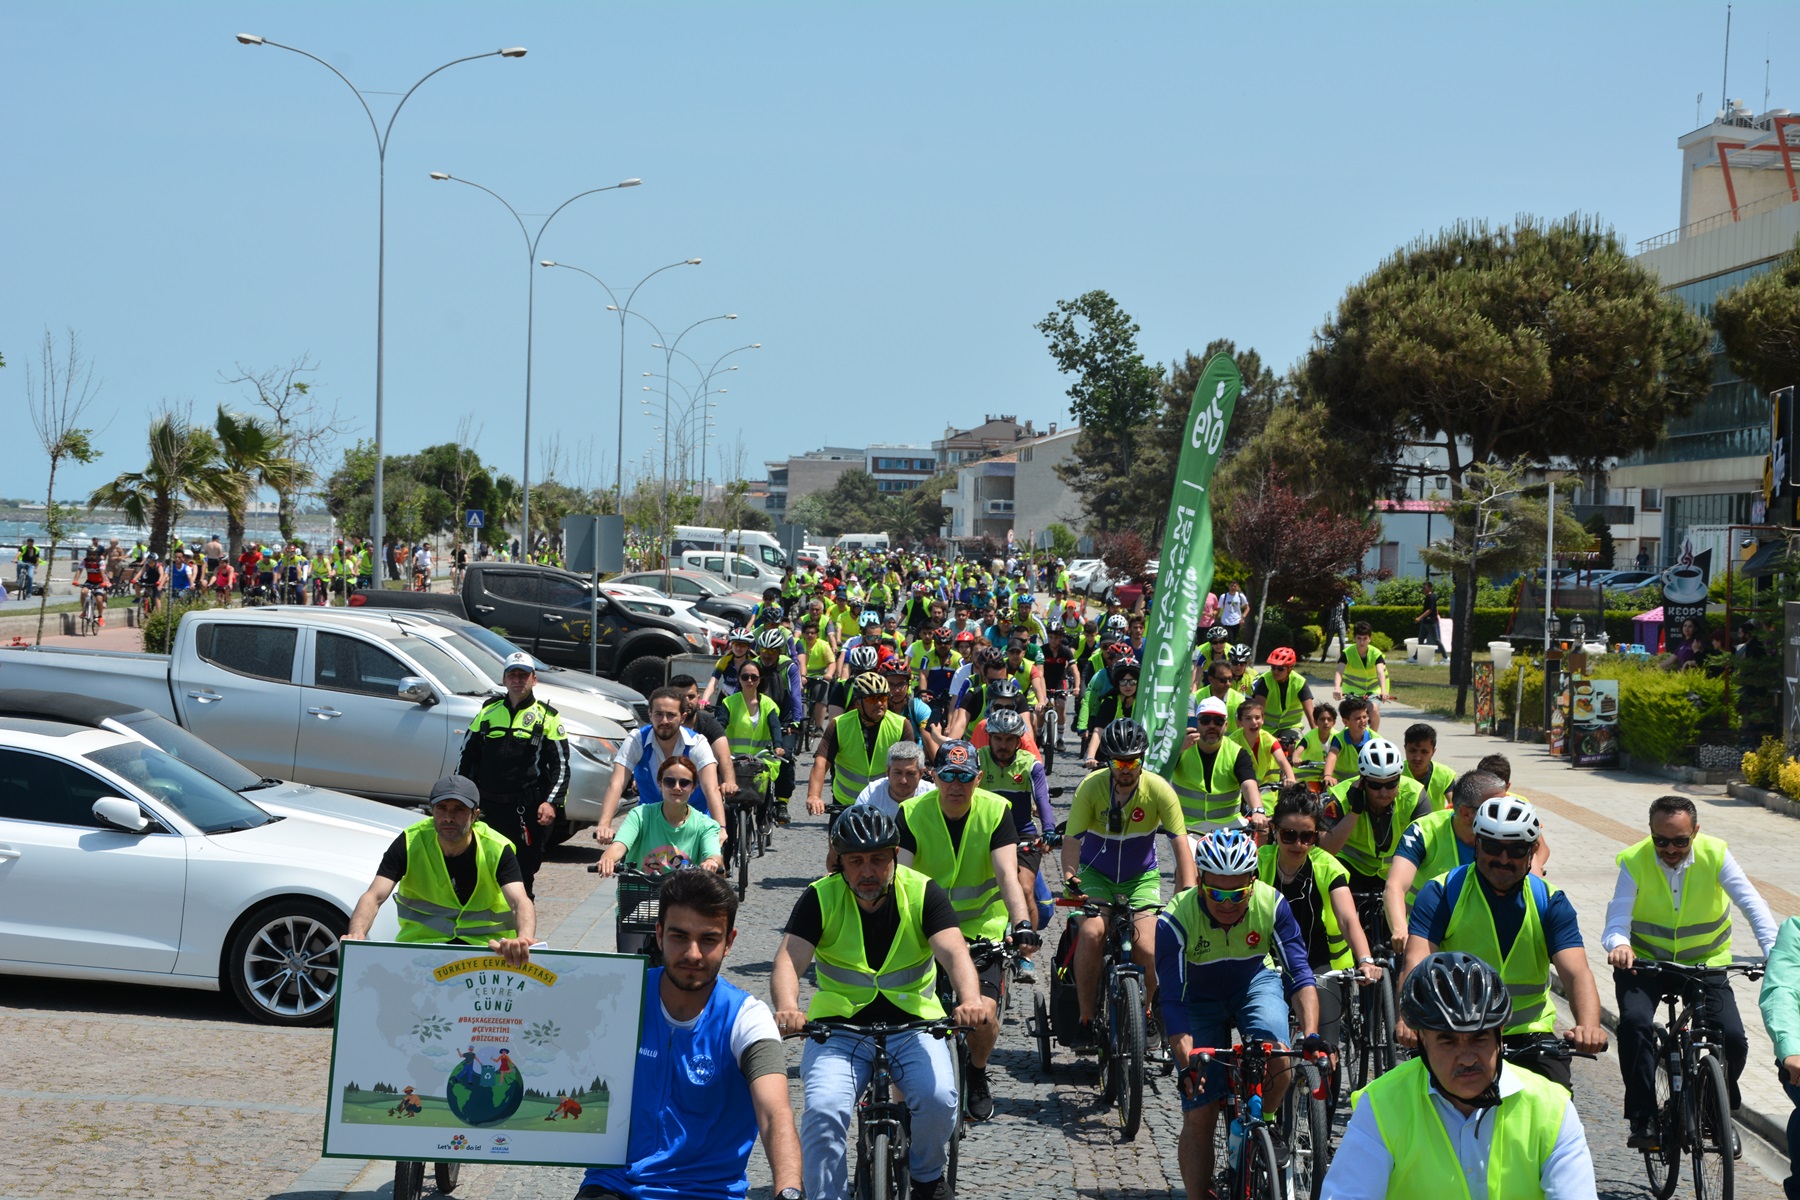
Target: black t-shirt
[807,922]
[707,726]
[1244,767]
[460,866]
[1005,834]
[1302,895]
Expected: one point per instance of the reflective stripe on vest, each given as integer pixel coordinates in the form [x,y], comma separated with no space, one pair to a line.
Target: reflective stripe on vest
[1525,1128]
[1526,971]
[1359,671]
[1326,870]
[847,982]
[855,766]
[1262,756]
[966,871]
[1360,853]
[1282,705]
[741,729]
[1699,932]
[1209,799]
[426,901]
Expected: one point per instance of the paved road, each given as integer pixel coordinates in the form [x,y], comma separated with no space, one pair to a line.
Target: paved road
[142,1092]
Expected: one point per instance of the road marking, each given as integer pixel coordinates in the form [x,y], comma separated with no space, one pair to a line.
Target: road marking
[306,1110]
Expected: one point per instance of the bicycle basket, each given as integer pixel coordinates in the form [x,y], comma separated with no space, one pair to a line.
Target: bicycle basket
[639,904]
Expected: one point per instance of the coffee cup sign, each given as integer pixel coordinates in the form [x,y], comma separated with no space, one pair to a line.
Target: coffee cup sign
[1684,585]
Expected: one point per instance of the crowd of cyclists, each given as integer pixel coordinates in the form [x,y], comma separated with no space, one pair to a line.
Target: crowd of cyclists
[1343,905]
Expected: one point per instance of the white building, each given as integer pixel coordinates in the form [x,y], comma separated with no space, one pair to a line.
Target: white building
[1017,492]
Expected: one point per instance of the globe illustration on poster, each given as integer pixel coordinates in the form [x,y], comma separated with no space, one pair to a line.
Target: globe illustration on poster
[485,1093]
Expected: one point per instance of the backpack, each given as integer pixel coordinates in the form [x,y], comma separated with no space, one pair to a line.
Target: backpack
[1065,1008]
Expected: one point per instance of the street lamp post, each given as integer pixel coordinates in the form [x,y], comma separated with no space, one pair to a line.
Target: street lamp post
[378,522]
[531,245]
[622,310]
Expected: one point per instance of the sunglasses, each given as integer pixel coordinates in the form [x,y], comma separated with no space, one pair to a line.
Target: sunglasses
[751,678]
[1229,895]
[1672,843]
[1127,764]
[1128,679]
[1298,837]
[678,782]
[1513,850]
[1371,785]
[956,775]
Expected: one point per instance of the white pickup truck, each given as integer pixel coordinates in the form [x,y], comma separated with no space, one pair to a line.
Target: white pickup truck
[363,706]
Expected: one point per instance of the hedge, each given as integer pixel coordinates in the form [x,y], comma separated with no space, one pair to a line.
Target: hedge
[1661,712]
[1401,622]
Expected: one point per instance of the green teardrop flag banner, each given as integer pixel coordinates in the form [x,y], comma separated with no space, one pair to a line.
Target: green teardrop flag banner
[1186,569]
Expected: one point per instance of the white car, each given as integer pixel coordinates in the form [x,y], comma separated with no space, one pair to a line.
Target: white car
[648,600]
[1088,576]
[119,861]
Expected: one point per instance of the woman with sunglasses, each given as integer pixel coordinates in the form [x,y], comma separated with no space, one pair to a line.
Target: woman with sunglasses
[1118,703]
[753,724]
[1317,889]
[663,837]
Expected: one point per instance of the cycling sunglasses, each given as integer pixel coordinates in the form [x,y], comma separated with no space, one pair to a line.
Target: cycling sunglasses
[678,782]
[1230,895]
[1127,764]
[956,775]
[1299,837]
[1672,843]
[1381,785]
[1210,719]
[1514,850]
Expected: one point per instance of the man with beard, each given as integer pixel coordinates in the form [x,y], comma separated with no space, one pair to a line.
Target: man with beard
[711,1073]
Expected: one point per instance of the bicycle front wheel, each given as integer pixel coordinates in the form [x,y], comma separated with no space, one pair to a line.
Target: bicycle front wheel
[1262,1170]
[1052,731]
[1128,1048]
[1306,1130]
[746,832]
[1383,1053]
[1713,1140]
[1663,1165]
[881,1181]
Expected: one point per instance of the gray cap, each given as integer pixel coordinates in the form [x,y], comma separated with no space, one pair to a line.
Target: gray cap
[456,787]
[519,661]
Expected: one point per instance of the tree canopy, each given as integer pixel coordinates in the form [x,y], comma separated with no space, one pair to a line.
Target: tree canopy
[1759,323]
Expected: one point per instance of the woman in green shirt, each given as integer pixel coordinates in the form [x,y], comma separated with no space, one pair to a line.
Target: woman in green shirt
[670,835]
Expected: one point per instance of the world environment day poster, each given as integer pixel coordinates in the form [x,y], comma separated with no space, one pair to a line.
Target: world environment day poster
[446,1053]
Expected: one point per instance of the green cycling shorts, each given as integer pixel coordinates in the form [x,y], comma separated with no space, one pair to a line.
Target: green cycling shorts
[1145,891]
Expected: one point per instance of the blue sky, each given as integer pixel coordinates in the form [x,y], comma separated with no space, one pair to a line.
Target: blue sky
[889,196]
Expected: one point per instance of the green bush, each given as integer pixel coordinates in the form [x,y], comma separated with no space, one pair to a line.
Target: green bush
[1308,640]
[1662,713]
[1400,592]
[1507,687]
[158,629]
[1762,766]
[1382,642]
[1274,634]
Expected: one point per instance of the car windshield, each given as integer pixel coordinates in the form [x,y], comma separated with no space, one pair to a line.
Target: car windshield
[451,671]
[177,742]
[201,800]
[490,643]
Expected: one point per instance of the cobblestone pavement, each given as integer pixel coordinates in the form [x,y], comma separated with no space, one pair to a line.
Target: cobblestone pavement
[154,1093]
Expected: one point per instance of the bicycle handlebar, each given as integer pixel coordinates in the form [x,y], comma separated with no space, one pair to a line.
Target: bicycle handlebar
[1549,1046]
[819,1031]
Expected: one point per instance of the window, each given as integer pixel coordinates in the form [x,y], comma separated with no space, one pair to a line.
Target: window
[347,664]
[1650,499]
[1390,557]
[36,788]
[512,585]
[203,801]
[715,562]
[565,593]
[260,651]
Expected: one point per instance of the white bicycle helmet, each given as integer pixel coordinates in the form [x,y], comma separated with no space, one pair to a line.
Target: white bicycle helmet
[1226,852]
[1507,819]
[1379,759]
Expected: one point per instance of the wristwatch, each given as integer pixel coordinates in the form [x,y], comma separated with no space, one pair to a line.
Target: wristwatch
[1366,961]
[789,1194]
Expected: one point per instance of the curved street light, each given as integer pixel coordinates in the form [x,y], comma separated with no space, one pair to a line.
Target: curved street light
[531,245]
[378,522]
[621,309]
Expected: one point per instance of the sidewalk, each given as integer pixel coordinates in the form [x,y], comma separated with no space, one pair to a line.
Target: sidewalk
[1589,816]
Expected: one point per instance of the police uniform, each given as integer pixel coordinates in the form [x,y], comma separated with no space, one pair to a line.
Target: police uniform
[519,760]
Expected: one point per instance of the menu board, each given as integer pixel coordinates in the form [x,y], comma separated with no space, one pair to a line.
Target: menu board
[1593,722]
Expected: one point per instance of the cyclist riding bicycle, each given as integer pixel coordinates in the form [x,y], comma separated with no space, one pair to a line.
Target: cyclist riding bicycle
[666,836]
[1213,778]
[740,648]
[1457,1113]
[1505,916]
[963,836]
[1017,776]
[854,749]
[1433,846]
[1062,673]
[780,672]
[1287,697]
[1109,855]
[91,578]
[1214,943]
[753,725]
[880,932]
[1118,702]
[1365,816]
[1362,672]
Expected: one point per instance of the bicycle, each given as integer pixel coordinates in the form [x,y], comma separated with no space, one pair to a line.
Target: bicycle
[749,814]
[1119,1013]
[1252,1169]
[1693,1101]
[1364,1006]
[1053,727]
[1375,1050]
[636,909]
[884,1124]
[93,607]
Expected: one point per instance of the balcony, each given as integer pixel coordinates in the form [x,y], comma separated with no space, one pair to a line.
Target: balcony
[1001,508]
[1614,514]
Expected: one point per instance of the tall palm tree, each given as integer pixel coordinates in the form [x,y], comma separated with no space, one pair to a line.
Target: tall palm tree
[251,455]
[182,468]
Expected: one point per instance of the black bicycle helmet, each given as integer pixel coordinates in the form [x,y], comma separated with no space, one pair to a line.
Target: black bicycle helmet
[1123,738]
[990,656]
[863,827]
[861,659]
[1004,689]
[1127,666]
[1456,993]
[771,639]
[1006,721]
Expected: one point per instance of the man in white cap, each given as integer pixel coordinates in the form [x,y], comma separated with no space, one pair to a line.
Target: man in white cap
[518,756]
[1213,777]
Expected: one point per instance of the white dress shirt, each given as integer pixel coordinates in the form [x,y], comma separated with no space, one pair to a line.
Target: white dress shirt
[1362,1164]
[1731,877]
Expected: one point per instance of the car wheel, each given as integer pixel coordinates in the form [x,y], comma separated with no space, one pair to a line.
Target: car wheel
[644,674]
[283,962]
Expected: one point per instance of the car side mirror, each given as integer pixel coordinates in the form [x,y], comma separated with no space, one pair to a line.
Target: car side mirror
[417,690]
[116,812]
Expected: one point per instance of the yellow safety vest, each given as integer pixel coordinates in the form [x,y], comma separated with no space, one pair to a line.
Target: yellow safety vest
[1208,800]
[1437,784]
[966,870]
[1360,853]
[855,766]
[1360,676]
[847,983]
[1326,871]
[1262,755]
[428,908]
[1526,971]
[742,730]
[1282,705]
[1525,1128]
[1699,932]
[1441,853]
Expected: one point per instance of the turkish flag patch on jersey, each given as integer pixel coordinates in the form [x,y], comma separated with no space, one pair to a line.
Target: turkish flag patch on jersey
[1137,814]
[1253,939]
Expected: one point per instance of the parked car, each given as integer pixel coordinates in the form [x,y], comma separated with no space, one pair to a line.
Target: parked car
[710,594]
[733,568]
[548,612]
[682,612]
[120,861]
[365,706]
[1088,577]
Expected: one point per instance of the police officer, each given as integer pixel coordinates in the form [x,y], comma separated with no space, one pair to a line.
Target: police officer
[517,755]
